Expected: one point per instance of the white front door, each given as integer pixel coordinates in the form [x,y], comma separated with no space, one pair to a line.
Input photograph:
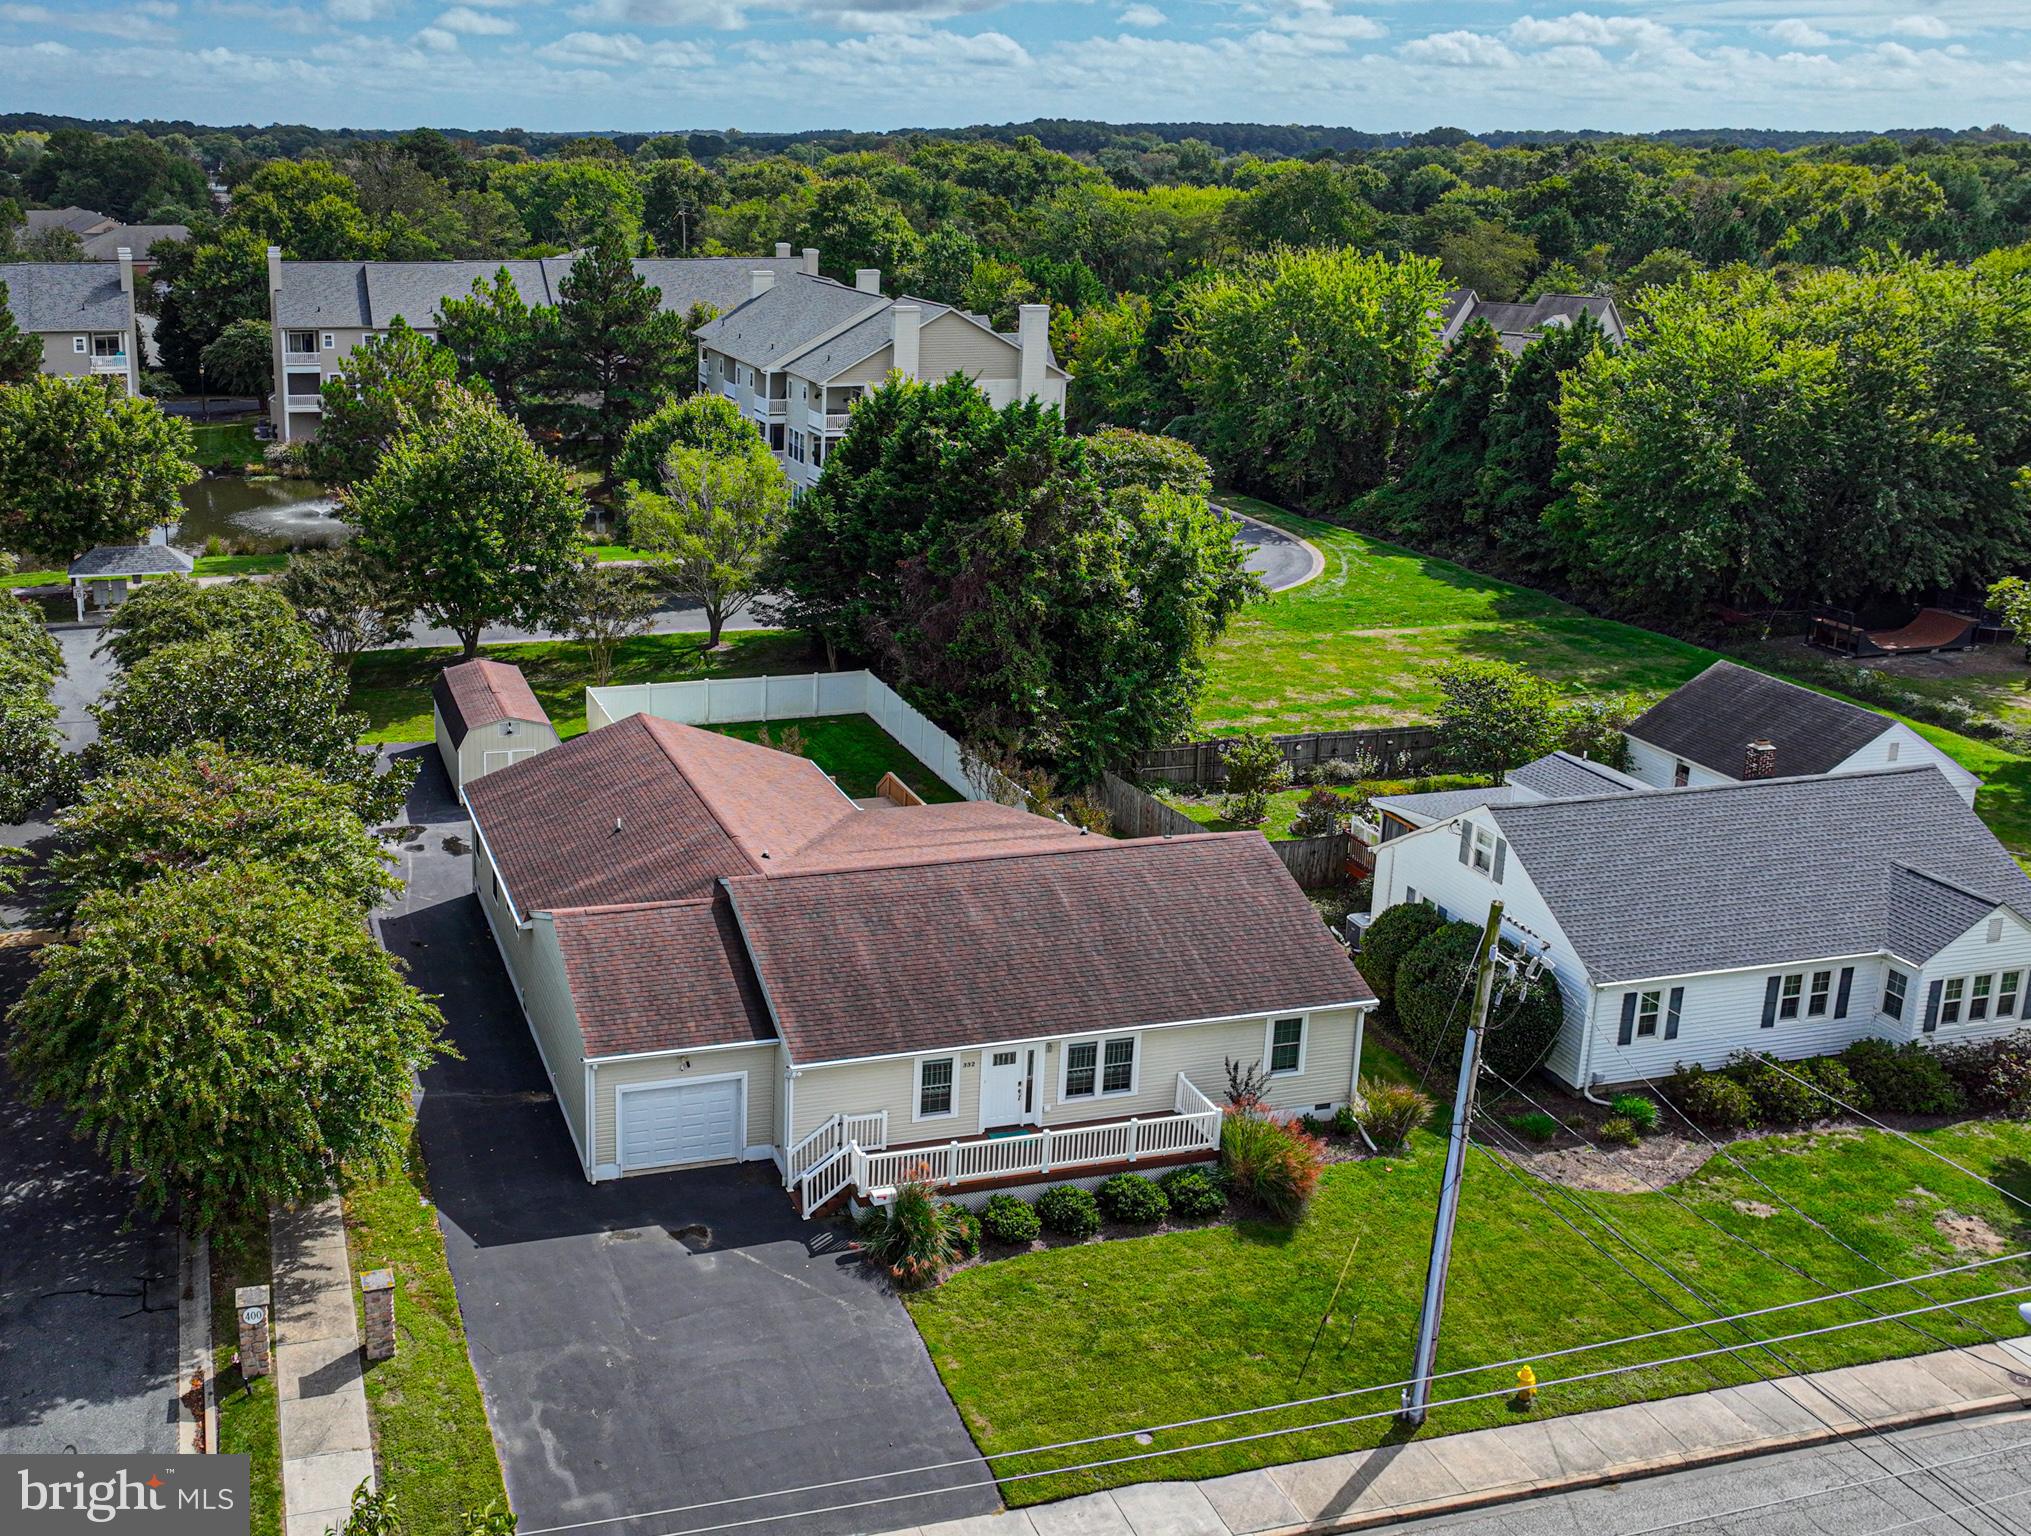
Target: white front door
[1007,1085]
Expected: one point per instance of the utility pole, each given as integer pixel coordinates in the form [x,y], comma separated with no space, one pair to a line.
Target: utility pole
[1423,1364]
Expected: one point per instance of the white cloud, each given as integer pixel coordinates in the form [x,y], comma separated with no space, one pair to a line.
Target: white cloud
[437,40]
[1322,19]
[726,15]
[1459,50]
[606,50]
[471,23]
[1143,16]
[359,10]
[140,23]
[1921,26]
[1795,33]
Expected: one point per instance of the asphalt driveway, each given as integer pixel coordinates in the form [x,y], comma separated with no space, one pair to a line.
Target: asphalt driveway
[653,1343]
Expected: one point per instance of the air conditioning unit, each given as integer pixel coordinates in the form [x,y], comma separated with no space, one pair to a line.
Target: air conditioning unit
[1357,929]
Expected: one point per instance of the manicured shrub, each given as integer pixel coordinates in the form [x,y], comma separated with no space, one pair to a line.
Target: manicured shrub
[1779,1096]
[1393,1111]
[913,1237]
[1993,1076]
[1320,814]
[1902,1080]
[1536,1125]
[1069,1211]
[1395,932]
[1193,1193]
[1133,1200]
[1010,1219]
[1271,1162]
[1639,1109]
[1345,1121]
[1618,1131]
[965,1230]
[1835,1082]
[1434,993]
[1712,1100]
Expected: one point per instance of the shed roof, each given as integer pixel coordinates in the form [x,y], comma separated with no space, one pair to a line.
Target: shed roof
[472,694]
[1769,872]
[66,296]
[113,560]
[1712,719]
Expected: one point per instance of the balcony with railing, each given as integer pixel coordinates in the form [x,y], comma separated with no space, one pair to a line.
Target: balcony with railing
[109,362]
[850,1154]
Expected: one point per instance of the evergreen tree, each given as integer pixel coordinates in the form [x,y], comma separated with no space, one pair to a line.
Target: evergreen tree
[1523,441]
[20,355]
[1429,500]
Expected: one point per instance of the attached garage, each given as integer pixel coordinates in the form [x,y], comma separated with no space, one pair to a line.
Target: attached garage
[663,1125]
[486,717]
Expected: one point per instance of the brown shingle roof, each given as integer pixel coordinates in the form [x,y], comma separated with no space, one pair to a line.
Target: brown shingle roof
[1093,934]
[915,834]
[666,977]
[479,693]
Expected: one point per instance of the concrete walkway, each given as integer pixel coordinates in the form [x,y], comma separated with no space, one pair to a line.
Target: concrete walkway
[1446,1474]
[327,1448]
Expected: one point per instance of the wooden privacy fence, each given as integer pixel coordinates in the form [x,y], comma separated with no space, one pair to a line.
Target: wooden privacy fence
[1312,861]
[1397,749]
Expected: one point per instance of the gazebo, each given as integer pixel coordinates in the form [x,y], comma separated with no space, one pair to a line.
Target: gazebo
[121,564]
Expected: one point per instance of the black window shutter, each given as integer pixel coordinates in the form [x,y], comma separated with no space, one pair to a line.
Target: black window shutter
[1841,997]
[1671,1013]
[1501,857]
[1628,1030]
[1466,842]
[1770,1001]
[1932,1006]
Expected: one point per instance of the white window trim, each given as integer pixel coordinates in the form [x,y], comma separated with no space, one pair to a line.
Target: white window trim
[1482,854]
[328,342]
[1903,993]
[917,1114]
[80,343]
[1655,1011]
[1100,1090]
[1269,1043]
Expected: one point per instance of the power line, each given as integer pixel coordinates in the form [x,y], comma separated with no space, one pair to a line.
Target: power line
[1322,1398]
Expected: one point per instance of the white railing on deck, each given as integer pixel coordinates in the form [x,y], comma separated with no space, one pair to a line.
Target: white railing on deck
[1195,1128]
[868,1131]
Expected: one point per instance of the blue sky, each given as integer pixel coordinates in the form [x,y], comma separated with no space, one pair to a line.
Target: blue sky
[787,64]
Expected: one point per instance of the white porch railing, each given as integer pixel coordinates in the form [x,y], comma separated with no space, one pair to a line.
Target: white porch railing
[870,1130]
[1194,1128]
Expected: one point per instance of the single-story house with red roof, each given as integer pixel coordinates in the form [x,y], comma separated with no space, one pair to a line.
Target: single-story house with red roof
[723,956]
[486,716]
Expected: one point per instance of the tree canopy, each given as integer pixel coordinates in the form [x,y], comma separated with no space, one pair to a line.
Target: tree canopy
[82,464]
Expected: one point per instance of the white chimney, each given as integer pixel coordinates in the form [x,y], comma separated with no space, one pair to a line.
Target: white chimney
[868,279]
[126,271]
[760,281]
[274,275]
[905,318]
[782,250]
[810,261]
[1033,336]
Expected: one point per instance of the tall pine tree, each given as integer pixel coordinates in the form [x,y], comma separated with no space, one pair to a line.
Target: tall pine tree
[1523,442]
[20,356]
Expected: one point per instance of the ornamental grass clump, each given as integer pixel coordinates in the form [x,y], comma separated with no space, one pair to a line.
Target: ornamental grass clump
[1271,1162]
[1392,1112]
[913,1237]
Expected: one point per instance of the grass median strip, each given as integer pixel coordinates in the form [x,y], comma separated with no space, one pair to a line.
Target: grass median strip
[249,1424]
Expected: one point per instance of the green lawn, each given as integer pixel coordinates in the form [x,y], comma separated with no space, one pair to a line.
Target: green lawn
[248,1422]
[854,750]
[225,442]
[1106,1337]
[432,1448]
[206,565]
[393,687]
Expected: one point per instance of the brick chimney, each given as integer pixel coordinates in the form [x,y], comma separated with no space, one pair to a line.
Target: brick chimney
[1759,760]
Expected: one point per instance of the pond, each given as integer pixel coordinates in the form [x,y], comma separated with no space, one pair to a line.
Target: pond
[259,515]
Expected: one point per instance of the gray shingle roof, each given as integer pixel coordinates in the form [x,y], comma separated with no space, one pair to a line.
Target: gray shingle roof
[1559,775]
[1712,719]
[799,309]
[1438,804]
[1766,873]
[65,296]
[132,560]
[138,239]
[370,295]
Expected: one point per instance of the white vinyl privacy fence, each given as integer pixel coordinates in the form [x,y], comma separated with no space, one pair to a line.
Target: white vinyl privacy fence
[724,701]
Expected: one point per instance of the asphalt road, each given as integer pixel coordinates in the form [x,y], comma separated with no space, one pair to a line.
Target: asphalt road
[1983,1488]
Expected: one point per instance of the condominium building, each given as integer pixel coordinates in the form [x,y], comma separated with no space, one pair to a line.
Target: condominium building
[83,313]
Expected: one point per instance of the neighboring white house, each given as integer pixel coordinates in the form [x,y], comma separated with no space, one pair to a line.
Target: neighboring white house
[1558,775]
[1730,724]
[1792,916]
[82,312]
[1521,324]
[802,349]
[722,956]
[321,310]
[486,717]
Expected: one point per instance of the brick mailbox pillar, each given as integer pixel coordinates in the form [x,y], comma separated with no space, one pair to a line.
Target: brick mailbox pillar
[251,1303]
[377,1302]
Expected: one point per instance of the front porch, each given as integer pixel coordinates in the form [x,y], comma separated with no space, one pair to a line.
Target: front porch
[850,1154]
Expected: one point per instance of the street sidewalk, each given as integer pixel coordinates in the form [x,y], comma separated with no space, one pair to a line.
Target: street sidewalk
[1450,1473]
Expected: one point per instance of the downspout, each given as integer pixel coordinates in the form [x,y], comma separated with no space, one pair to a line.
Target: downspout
[1360,1034]
[1587,1056]
[592,1120]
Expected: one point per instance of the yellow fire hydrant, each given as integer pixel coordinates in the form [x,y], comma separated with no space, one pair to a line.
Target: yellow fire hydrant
[1526,1386]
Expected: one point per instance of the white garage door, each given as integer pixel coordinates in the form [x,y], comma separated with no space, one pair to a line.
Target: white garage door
[683,1123]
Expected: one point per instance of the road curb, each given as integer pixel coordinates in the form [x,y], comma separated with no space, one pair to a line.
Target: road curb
[195,1435]
[1491,1498]
[1317,556]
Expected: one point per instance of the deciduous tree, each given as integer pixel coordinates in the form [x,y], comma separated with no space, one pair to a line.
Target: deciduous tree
[20,354]
[603,605]
[394,383]
[1494,716]
[709,528]
[82,464]
[173,609]
[351,601]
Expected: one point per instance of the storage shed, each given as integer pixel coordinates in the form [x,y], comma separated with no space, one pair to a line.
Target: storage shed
[486,717]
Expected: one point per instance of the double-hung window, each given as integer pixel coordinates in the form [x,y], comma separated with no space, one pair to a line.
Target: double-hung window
[1894,984]
[108,346]
[1788,995]
[1099,1068]
[1286,1045]
[1648,1006]
[1978,997]
[1950,999]
[1822,990]
[935,1076]
[2006,994]
[1484,850]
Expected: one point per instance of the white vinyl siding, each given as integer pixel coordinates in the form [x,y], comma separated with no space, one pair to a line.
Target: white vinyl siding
[1901,747]
[536,969]
[1658,768]
[488,747]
